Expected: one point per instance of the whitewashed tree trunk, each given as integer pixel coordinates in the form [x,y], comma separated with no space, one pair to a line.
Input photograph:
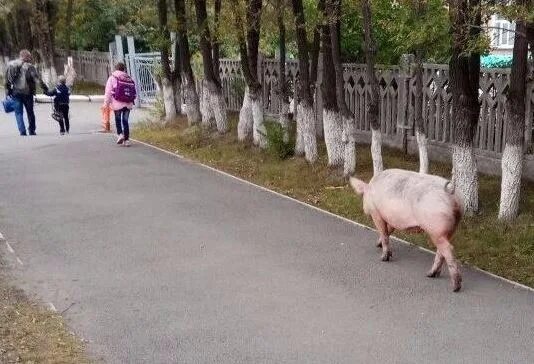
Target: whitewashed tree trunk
[258,131]
[349,166]
[283,119]
[376,151]
[177,89]
[333,137]
[422,144]
[206,109]
[465,177]
[192,104]
[299,137]
[219,110]
[307,121]
[49,75]
[246,121]
[168,99]
[512,169]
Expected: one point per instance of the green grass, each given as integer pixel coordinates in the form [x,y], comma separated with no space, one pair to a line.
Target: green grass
[506,249]
[87,88]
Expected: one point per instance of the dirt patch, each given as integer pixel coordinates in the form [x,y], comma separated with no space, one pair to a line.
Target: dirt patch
[29,333]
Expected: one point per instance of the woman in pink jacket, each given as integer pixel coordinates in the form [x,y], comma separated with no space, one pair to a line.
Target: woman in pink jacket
[120,96]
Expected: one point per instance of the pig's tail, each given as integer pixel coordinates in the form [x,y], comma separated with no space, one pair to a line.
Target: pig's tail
[449,187]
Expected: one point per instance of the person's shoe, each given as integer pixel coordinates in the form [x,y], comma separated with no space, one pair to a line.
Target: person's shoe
[62,133]
[23,134]
[127,143]
[120,139]
[32,133]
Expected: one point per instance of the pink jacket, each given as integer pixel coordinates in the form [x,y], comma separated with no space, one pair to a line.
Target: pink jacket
[110,85]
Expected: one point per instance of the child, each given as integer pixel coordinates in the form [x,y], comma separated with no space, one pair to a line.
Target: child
[120,95]
[61,103]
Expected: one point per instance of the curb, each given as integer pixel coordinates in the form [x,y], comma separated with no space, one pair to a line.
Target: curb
[179,156]
[42,98]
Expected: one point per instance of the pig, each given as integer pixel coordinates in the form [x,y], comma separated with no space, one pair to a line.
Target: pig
[402,200]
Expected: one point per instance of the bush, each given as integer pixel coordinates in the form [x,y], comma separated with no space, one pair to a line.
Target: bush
[277,145]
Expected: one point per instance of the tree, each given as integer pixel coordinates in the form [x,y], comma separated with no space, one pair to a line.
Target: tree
[213,104]
[192,104]
[464,75]
[68,26]
[168,76]
[251,114]
[282,84]
[512,156]
[373,110]
[333,124]
[306,142]
[334,12]
[41,28]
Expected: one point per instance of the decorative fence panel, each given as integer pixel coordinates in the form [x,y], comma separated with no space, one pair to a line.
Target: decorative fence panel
[397,94]
[89,66]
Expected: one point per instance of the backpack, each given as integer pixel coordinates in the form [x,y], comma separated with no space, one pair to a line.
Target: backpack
[124,91]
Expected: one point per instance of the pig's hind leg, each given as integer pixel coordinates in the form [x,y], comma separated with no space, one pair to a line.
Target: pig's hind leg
[390,229]
[446,250]
[383,240]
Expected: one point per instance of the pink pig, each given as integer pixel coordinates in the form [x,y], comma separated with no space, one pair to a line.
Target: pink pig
[403,200]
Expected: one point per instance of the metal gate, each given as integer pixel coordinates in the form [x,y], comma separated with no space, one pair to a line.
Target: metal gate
[143,67]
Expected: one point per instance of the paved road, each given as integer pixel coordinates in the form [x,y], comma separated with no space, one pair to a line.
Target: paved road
[164,261]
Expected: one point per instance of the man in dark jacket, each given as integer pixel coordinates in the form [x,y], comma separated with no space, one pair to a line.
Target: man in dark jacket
[21,83]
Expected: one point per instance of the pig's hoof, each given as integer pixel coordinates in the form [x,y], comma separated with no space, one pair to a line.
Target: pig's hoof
[456,283]
[379,244]
[432,274]
[386,256]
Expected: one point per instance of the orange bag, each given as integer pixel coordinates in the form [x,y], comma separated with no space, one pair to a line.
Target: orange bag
[106,116]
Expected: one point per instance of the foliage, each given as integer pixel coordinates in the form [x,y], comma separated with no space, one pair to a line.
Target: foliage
[409,30]
[277,142]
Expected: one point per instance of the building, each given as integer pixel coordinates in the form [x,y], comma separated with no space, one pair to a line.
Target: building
[502,35]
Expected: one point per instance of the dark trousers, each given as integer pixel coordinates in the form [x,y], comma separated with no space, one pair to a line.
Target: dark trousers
[27,102]
[64,124]
[121,122]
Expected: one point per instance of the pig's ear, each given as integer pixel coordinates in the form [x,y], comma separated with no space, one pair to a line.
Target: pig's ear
[358,185]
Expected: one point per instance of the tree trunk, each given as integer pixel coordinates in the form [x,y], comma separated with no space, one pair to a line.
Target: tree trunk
[46,49]
[215,42]
[177,79]
[192,102]
[306,138]
[213,100]
[167,75]
[282,87]
[333,125]
[512,157]
[373,105]
[420,130]
[334,11]
[464,74]
[251,114]
[68,26]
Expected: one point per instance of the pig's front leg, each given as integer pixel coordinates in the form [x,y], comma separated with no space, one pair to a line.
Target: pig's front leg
[383,240]
[435,271]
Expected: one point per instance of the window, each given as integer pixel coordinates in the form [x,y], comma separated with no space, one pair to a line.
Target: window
[503,34]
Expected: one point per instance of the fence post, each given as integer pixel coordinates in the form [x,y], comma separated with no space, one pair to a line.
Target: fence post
[133,70]
[403,101]
[118,46]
